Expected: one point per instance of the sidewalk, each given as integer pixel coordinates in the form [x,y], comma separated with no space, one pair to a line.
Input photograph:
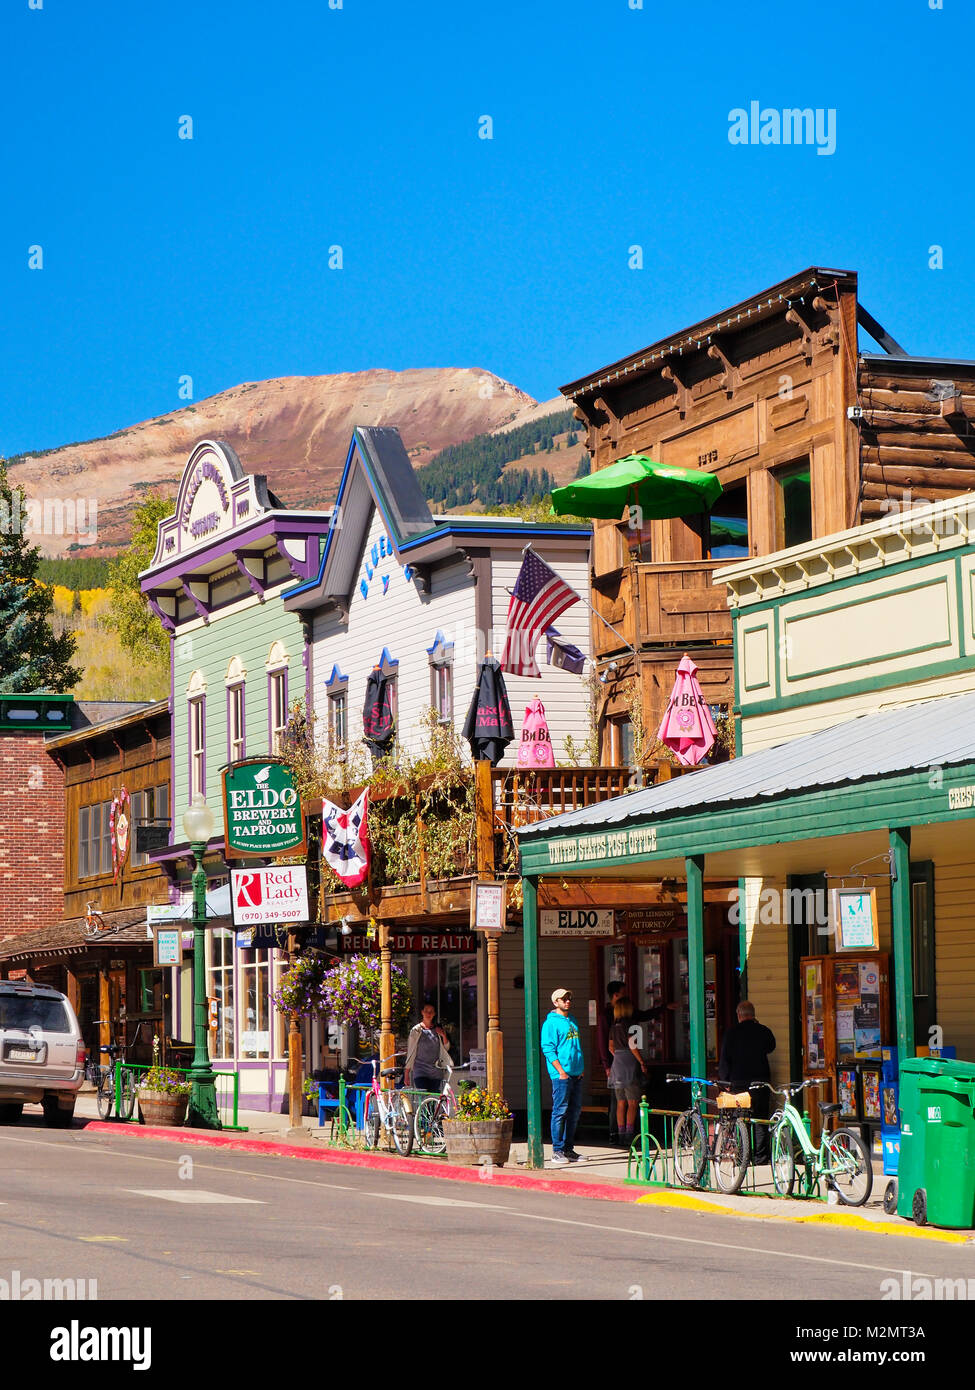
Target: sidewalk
[602,1176]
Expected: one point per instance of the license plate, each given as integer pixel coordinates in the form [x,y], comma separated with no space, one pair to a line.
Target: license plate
[22,1054]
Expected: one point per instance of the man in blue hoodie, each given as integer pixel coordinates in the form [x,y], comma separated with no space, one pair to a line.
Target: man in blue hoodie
[563,1053]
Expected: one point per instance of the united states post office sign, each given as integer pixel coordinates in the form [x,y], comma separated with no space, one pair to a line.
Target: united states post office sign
[577,921]
[262,810]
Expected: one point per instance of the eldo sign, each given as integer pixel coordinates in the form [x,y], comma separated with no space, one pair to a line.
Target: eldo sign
[261,810]
[577,921]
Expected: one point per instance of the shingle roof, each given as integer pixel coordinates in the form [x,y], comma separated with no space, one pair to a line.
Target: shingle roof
[68,937]
[932,733]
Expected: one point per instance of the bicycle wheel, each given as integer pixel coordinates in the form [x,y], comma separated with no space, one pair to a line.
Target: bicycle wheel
[106,1094]
[428,1126]
[732,1150]
[128,1095]
[371,1121]
[850,1171]
[342,1128]
[654,1168]
[690,1148]
[783,1159]
[401,1123]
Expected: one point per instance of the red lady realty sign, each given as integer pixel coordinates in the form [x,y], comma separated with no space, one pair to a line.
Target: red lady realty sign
[260,896]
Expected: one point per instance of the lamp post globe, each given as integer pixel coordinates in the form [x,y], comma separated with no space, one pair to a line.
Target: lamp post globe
[198,826]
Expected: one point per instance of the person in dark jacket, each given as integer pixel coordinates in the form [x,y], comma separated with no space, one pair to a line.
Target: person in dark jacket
[744,1060]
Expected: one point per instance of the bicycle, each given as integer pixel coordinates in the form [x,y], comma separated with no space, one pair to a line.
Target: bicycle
[106,1096]
[431,1113]
[841,1161]
[388,1110]
[730,1149]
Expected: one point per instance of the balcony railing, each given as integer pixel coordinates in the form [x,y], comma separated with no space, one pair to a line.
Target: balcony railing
[661,604]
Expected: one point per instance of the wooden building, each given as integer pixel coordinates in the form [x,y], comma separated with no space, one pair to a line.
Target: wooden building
[808,434]
[115,775]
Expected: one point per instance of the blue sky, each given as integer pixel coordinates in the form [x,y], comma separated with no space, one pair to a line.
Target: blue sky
[358,127]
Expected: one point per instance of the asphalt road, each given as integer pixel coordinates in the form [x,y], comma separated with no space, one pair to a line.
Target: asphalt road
[148,1220]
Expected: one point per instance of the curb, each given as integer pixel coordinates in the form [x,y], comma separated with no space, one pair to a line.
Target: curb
[604,1192]
[848,1220]
[427,1168]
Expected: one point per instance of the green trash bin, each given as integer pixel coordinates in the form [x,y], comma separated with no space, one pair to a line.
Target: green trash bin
[936,1171]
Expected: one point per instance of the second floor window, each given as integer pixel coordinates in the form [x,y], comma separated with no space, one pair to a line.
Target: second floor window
[442,690]
[338,722]
[235,723]
[94,840]
[277,709]
[197,731]
[148,806]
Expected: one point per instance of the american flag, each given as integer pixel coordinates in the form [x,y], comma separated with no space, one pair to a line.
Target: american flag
[537,599]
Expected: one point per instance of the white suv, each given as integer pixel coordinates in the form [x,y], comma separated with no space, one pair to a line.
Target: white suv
[42,1053]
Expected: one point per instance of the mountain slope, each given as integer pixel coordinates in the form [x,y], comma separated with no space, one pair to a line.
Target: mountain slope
[296,430]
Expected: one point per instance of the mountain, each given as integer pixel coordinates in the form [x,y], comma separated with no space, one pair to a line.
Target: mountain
[296,430]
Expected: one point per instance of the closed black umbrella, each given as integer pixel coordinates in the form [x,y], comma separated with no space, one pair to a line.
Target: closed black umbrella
[488,727]
[378,722]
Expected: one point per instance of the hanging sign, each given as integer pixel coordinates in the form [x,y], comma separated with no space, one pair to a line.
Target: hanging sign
[167,947]
[260,896]
[261,810]
[854,919]
[488,906]
[577,921]
[654,917]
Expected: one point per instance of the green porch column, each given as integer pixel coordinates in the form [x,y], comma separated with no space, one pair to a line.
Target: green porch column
[533,1052]
[694,867]
[900,893]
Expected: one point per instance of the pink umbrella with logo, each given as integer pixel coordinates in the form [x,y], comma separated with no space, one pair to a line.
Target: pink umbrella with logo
[535,749]
[687,727]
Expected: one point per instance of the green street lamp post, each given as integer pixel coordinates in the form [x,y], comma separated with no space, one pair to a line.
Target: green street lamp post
[198,827]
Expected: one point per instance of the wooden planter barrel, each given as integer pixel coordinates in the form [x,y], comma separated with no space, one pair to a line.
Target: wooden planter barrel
[478,1141]
[158,1108]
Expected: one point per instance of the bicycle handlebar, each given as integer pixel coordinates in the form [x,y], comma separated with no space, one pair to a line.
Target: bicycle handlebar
[700,1080]
[791,1088]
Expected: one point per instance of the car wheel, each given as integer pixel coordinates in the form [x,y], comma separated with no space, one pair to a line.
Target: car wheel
[11,1110]
[57,1116]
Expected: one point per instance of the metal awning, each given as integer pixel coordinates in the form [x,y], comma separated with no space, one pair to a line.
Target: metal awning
[913,738]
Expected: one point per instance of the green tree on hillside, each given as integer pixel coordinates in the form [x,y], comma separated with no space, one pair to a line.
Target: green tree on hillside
[139,630]
[32,656]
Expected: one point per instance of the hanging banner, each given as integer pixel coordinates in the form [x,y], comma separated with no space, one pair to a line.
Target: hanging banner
[261,810]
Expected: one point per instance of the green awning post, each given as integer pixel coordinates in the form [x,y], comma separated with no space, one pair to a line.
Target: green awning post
[900,894]
[742,944]
[533,1055]
[694,867]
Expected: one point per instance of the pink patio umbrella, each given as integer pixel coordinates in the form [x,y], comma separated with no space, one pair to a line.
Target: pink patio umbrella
[535,749]
[687,727]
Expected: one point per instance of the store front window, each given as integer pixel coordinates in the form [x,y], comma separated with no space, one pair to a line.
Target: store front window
[255,1017]
[449,983]
[221,988]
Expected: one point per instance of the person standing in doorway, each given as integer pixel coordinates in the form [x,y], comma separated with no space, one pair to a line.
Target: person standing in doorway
[744,1060]
[605,1026]
[427,1058]
[562,1050]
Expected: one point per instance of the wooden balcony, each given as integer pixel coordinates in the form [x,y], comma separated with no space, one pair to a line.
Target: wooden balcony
[653,605]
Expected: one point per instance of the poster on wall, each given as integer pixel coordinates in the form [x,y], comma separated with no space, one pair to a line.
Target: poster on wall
[847,1093]
[871,1094]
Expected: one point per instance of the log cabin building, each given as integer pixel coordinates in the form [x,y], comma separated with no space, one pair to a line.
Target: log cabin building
[809,433]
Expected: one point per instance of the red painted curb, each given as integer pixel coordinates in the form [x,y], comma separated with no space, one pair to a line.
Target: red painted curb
[421,1166]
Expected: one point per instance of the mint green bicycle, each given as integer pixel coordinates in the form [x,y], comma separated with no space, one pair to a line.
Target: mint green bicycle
[841,1161]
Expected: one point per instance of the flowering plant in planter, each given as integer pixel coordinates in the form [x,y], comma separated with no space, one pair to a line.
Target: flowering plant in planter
[475,1103]
[352,993]
[163,1081]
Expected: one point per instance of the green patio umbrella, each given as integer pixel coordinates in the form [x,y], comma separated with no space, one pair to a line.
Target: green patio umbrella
[661,490]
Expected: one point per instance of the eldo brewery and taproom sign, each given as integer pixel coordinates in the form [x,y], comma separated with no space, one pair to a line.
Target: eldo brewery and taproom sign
[577,921]
[262,810]
[260,896]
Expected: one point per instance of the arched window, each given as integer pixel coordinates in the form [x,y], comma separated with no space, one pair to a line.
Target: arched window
[277,695]
[196,718]
[236,706]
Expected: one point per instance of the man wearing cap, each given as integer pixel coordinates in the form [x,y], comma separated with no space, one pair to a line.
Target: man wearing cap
[563,1053]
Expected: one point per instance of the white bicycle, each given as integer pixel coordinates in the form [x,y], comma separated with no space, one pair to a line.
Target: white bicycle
[431,1113]
[390,1111]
